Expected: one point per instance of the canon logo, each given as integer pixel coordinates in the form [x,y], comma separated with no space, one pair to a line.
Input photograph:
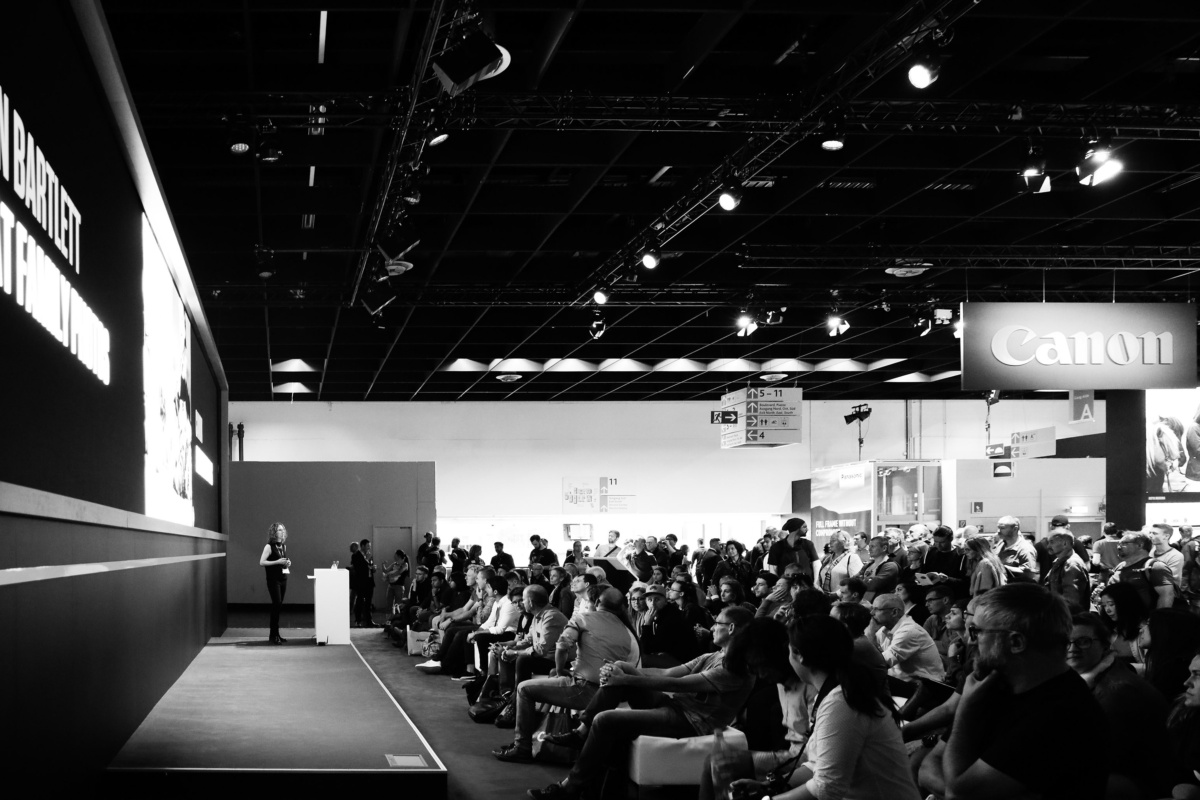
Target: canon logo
[1012,346]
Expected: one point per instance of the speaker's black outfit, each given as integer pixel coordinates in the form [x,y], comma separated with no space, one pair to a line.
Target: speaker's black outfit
[276,584]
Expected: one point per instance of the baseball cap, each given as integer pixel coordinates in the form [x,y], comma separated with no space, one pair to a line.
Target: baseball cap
[1059,521]
[656,589]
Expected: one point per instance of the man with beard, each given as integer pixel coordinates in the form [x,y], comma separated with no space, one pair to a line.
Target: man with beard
[1001,745]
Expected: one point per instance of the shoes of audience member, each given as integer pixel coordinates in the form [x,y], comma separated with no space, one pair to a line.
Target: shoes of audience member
[508,717]
[430,667]
[467,677]
[513,754]
[572,739]
[369,624]
[554,791]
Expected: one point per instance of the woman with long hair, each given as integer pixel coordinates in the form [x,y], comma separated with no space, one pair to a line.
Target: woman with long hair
[1123,612]
[986,570]
[274,559]
[854,746]
[475,556]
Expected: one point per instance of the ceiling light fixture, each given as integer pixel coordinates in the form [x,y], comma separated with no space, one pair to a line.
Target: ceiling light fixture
[833,140]
[1098,164]
[836,325]
[598,326]
[601,295]
[1034,173]
[651,256]
[773,377]
[747,323]
[472,58]
[437,137]
[731,198]
[508,377]
[923,72]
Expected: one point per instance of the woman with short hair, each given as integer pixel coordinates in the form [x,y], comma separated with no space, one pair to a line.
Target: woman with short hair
[843,562]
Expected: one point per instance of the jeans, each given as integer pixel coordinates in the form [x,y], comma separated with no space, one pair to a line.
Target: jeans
[454,646]
[565,692]
[277,589]
[610,727]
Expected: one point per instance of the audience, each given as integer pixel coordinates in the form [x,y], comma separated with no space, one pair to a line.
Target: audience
[986,570]
[1067,575]
[843,562]
[907,648]
[532,654]
[1124,613]
[666,638]
[1167,641]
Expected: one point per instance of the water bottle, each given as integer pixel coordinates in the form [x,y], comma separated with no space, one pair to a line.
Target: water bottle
[722,763]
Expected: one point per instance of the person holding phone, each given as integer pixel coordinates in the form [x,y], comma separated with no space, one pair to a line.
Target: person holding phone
[274,559]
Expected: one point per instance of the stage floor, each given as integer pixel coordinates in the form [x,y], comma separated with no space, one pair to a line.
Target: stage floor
[245,706]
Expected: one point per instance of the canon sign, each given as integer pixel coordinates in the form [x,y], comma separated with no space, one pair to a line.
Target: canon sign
[1078,346]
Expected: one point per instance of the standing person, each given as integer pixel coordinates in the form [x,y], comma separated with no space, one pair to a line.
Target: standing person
[881,573]
[541,554]
[434,556]
[475,556]
[1153,581]
[993,750]
[362,585]
[612,549]
[458,556]
[1067,575]
[1164,554]
[1016,553]
[945,566]
[844,563]
[1107,548]
[423,548]
[396,574]
[639,561]
[986,570]
[793,548]
[502,560]
[734,566]
[369,587]
[274,559]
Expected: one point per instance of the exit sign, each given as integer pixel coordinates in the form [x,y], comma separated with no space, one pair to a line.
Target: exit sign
[997,451]
[723,417]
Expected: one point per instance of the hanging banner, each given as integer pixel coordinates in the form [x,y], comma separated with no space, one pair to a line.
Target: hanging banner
[1083,406]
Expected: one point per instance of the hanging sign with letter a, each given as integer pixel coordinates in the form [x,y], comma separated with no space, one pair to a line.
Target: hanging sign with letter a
[1083,406]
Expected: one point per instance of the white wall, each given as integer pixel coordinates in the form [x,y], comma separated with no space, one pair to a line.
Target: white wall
[500,465]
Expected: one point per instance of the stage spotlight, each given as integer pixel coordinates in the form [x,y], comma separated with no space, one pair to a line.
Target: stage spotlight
[923,72]
[1034,172]
[1098,164]
[436,137]
[993,397]
[858,414]
[747,324]
[473,58]
[598,326]
[836,325]
[601,295]
[651,257]
[411,195]
[731,197]
[833,140]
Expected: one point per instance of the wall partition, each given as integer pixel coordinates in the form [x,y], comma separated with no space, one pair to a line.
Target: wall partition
[112,540]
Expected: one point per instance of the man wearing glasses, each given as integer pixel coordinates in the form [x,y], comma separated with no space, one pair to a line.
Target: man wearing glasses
[907,648]
[1016,553]
[1009,721]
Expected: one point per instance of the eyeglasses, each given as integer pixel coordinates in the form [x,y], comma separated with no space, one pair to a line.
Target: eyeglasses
[1083,642]
[974,631]
[726,624]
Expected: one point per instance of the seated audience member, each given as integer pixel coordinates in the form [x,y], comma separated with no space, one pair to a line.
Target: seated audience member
[666,638]
[451,656]
[987,571]
[500,626]
[533,653]
[856,618]
[599,574]
[944,566]
[1124,613]
[730,592]
[537,575]
[572,570]
[843,563]
[959,656]
[908,650]
[603,634]
[658,575]
[854,748]
[1167,641]
[810,601]
[881,573]
[937,603]
[794,697]
[912,594]
[1067,575]
[1136,714]
[440,597]
[994,752]
[419,593]
[560,591]
[692,699]
[682,593]
[1183,731]
[636,604]
[853,590]
[768,599]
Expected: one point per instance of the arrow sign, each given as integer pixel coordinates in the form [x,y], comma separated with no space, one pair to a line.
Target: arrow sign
[751,408]
[751,422]
[754,436]
[723,417]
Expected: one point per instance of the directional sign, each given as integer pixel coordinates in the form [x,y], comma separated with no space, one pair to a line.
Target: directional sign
[774,409]
[723,417]
[997,451]
[1034,444]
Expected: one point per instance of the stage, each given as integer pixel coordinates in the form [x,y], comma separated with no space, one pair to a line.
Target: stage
[297,713]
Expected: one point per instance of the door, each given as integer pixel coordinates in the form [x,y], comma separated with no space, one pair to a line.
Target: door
[387,539]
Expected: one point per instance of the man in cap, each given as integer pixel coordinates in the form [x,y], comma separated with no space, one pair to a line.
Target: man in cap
[793,548]
[667,639]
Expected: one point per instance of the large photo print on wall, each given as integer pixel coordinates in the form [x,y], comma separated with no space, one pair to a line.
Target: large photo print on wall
[1173,445]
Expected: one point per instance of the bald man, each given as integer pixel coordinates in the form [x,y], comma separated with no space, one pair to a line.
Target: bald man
[908,649]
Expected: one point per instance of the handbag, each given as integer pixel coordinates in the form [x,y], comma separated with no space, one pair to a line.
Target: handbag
[481,687]
[508,717]
[556,720]
[432,645]
[486,711]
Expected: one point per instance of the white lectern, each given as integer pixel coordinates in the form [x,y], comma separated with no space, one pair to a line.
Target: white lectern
[331,596]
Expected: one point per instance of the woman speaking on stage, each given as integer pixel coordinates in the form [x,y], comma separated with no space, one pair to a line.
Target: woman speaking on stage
[274,559]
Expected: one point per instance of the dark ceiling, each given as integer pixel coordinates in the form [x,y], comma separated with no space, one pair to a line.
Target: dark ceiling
[618,121]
